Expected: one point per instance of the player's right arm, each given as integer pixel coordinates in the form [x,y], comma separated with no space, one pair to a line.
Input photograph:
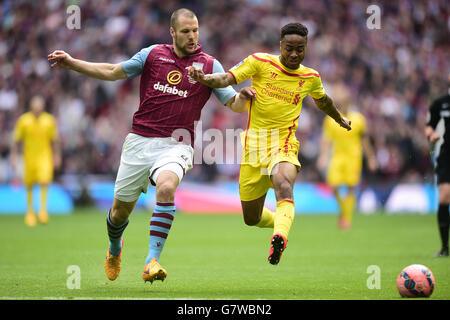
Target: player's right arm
[242,71]
[214,80]
[239,103]
[102,71]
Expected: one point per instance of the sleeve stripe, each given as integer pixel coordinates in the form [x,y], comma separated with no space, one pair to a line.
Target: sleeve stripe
[290,133]
[235,80]
[248,124]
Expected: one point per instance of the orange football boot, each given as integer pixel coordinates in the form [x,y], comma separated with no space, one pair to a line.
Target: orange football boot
[154,271]
[113,264]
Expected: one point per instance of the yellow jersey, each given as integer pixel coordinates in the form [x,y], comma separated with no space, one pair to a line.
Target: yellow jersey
[37,135]
[346,144]
[273,116]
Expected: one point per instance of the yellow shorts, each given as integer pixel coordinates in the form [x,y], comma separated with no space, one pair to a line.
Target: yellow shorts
[344,172]
[254,180]
[38,172]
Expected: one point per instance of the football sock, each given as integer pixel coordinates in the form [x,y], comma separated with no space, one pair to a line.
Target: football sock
[160,224]
[341,205]
[43,207]
[267,219]
[443,222]
[115,235]
[284,216]
[349,203]
[29,199]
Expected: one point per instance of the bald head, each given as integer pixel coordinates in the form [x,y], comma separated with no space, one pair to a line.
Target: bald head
[184,32]
[183,12]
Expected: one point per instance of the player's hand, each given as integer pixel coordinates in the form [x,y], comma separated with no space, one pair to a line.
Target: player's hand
[345,123]
[60,58]
[57,161]
[434,137]
[248,93]
[431,135]
[196,74]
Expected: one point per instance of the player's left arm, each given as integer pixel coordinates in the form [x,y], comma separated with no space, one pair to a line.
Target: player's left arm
[239,103]
[17,143]
[327,106]
[57,159]
[14,155]
[369,152]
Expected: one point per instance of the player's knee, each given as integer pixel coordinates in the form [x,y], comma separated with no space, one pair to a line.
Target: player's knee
[251,220]
[165,191]
[283,190]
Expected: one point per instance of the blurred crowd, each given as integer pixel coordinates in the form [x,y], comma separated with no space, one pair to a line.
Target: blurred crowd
[394,73]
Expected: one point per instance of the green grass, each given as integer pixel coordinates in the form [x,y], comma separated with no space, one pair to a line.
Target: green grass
[218,257]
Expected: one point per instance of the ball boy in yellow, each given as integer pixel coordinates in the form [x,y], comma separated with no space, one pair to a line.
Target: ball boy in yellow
[343,153]
[37,131]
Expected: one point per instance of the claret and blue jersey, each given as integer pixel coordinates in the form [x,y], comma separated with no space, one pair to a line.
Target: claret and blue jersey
[169,98]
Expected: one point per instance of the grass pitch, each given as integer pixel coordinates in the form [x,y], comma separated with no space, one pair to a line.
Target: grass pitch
[218,257]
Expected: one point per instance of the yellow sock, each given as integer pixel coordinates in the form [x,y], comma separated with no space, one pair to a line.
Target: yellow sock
[267,218]
[341,205]
[30,199]
[43,199]
[284,216]
[349,207]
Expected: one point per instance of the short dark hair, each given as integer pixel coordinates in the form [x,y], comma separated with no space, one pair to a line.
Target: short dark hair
[180,12]
[294,28]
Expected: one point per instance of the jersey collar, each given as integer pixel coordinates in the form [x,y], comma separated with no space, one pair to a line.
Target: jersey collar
[197,51]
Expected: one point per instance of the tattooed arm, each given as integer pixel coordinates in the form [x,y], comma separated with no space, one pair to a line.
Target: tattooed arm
[326,105]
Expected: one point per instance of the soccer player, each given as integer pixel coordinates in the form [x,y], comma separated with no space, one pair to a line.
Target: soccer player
[36,130]
[158,150]
[437,131]
[345,163]
[270,148]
